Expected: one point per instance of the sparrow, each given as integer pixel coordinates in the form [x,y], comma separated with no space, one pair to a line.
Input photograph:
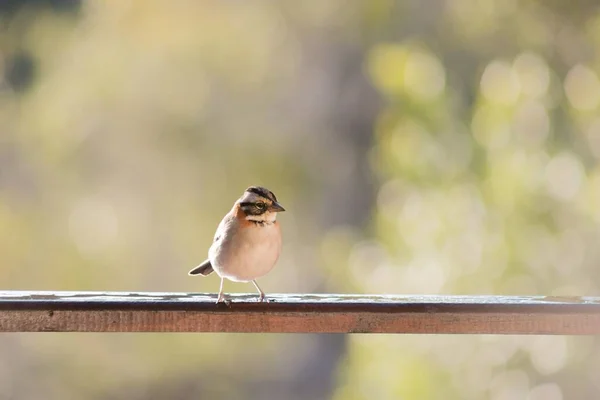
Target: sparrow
[247,243]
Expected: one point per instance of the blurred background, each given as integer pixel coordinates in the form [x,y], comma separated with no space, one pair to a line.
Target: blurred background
[446,147]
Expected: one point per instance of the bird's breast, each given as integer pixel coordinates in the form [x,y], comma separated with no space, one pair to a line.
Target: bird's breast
[246,251]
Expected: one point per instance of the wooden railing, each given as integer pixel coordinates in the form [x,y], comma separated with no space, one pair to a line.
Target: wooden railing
[329,313]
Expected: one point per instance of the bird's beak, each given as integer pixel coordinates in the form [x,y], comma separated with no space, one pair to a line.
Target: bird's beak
[276,207]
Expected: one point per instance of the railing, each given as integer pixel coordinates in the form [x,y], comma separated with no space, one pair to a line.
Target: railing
[189,312]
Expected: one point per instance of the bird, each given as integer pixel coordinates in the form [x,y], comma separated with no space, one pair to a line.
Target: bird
[247,243]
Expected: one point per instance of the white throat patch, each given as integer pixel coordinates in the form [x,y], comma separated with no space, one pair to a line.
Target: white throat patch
[268,217]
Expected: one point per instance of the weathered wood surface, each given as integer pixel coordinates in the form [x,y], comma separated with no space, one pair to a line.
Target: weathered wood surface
[190,312]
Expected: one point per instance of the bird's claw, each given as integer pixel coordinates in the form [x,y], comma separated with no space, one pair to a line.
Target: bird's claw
[263,299]
[222,299]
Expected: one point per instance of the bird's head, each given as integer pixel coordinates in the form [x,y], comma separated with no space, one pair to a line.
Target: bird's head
[259,204]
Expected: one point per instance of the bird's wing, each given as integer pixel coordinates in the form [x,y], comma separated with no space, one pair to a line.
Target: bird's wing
[224,230]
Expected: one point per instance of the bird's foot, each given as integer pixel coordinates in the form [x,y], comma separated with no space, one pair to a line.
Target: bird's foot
[263,299]
[222,299]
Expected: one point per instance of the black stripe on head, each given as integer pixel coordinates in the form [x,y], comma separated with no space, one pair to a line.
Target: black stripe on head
[251,208]
[261,191]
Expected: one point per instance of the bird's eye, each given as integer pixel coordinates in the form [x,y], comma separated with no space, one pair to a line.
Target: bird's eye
[261,206]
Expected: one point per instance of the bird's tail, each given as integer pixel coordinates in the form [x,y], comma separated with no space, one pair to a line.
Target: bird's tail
[203,269]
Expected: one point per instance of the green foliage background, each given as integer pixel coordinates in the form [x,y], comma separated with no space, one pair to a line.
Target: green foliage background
[421,147]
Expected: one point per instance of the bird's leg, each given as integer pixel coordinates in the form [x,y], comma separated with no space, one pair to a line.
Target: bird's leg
[262,294]
[221,297]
